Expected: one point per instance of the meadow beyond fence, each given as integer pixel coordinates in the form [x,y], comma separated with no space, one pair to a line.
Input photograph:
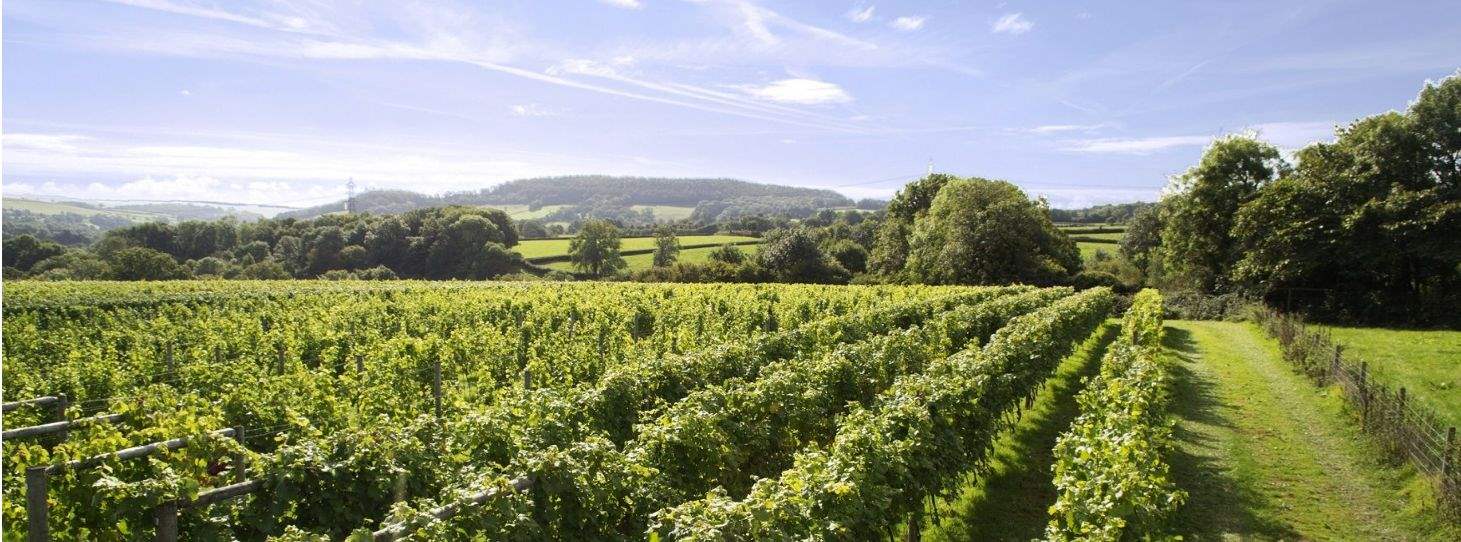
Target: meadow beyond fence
[1403,428]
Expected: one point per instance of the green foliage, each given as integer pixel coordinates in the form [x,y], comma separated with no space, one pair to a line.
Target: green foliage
[850,255]
[139,263]
[666,247]
[915,440]
[595,250]
[1111,474]
[728,254]
[24,251]
[794,255]
[1197,241]
[988,232]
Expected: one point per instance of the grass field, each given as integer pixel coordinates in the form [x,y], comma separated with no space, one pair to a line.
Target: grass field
[1114,236]
[1427,363]
[1266,455]
[524,212]
[543,248]
[637,262]
[666,212]
[1088,250]
[56,208]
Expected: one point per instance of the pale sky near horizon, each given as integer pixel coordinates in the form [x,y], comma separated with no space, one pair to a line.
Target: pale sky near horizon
[281,101]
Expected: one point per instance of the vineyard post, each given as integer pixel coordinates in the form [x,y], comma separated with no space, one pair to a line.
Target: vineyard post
[36,507]
[240,472]
[167,521]
[436,385]
[527,379]
[58,412]
[359,363]
[167,355]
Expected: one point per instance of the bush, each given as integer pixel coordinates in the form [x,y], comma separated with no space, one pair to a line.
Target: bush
[337,274]
[379,272]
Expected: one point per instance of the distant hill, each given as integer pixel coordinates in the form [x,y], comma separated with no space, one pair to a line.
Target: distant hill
[78,222]
[626,198]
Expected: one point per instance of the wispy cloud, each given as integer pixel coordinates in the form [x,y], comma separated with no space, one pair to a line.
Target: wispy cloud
[59,143]
[861,14]
[1140,145]
[907,23]
[1063,128]
[1014,23]
[626,4]
[532,110]
[1285,135]
[800,91]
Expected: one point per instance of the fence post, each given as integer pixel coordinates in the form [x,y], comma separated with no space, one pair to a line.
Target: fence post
[436,384]
[1364,395]
[36,507]
[59,412]
[1448,463]
[1334,365]
[167,521]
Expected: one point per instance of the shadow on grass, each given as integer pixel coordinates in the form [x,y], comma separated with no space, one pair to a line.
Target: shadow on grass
[1217,504]
[1011,501]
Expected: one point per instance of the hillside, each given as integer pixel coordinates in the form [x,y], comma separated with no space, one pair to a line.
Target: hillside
[624,198]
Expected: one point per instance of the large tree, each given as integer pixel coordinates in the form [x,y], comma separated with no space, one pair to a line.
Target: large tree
[1365,227]
[978,231]
[1197,221]
[666,247]
[596,248]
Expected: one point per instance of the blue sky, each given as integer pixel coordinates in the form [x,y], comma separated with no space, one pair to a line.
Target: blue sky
[280,101]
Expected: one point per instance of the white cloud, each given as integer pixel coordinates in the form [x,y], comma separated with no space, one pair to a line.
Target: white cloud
[1014,23]
[185,92]
[1061,128]
[1139,145]
[59,143]
[907,24]
[532,110]
[1285,135]
[861,15]
[626,4]
[799,91]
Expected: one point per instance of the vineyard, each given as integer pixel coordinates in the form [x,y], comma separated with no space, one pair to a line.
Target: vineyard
[306,410]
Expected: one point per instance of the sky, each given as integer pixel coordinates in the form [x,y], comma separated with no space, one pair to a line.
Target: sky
[282,101]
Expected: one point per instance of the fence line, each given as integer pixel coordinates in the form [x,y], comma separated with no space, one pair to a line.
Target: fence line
[1403,429]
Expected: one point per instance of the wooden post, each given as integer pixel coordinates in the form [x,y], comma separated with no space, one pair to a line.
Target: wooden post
[359,363]
[436,384]
[167,521]
[36,507]
[1364,395]
[1448,463]
[240,470]
[279,358]
[59,412]
[527,379]
[1335,364]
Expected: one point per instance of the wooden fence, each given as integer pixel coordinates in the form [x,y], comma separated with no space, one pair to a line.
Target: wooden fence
[1404,429]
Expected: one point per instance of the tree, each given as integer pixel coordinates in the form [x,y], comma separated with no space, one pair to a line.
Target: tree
[138,263]
[24,251]
[793,255]
[1197,242]
[354,257]
[595,250]
[264,270]
[979,231]
[728,254]
[531,229]
[666,247]
[1143,236]
[1362,228]
[850,255]
[78,264]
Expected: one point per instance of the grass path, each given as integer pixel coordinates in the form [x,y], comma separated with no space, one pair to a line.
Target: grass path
[1012,500]
[1265,454]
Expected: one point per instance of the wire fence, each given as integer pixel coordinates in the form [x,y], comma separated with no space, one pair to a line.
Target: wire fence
[1403,429]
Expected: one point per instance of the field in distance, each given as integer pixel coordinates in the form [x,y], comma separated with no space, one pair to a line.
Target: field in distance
[536,249]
